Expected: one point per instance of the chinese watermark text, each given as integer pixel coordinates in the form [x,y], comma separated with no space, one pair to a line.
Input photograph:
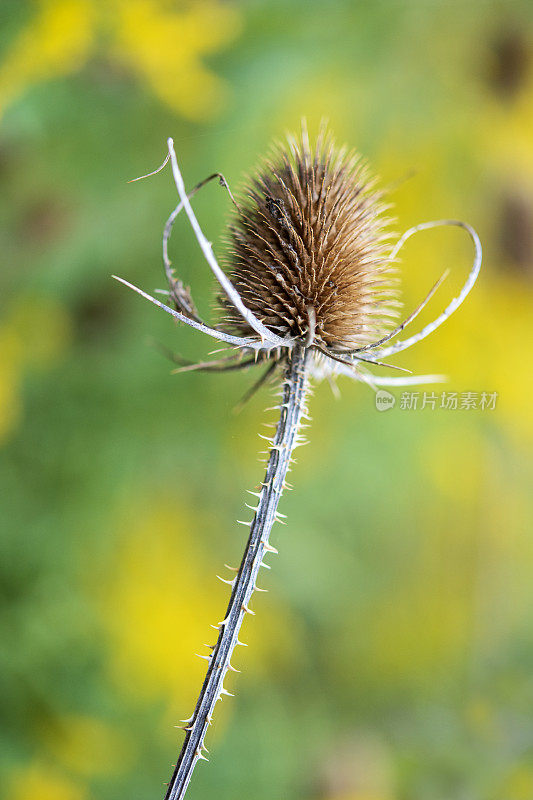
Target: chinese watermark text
[449,401]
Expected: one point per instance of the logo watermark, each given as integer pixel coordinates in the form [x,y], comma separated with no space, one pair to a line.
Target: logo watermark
[384,400]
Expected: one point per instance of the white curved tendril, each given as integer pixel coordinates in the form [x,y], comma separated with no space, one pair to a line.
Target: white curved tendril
[253,344]
[403,344]
[207,250]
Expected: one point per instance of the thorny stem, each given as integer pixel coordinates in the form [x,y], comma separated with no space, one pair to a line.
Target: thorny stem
[286,438]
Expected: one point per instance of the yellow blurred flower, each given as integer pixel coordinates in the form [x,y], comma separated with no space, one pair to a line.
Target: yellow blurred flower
[165,48]
[503,134]
[482,718]
[420,628]
[162,42]
[41,781]
[158,605]
[42,327]
[519,785]
[34,334]
[483,346]
[56,42]
[87,746]
[464,448]
[10,375]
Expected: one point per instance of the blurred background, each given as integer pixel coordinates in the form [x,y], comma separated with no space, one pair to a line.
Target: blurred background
[393,657]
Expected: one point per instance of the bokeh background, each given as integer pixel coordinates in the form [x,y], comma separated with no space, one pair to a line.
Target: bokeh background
[393,657]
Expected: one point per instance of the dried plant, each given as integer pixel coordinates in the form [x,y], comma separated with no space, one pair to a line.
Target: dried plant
[312,292]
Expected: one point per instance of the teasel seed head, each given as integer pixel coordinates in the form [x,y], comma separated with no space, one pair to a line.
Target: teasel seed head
[310,266]
[309,248]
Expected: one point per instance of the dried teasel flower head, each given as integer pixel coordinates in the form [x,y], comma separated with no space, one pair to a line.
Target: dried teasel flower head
[309,264]
[309,248]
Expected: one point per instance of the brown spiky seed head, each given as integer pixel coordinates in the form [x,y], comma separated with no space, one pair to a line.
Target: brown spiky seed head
[310,244]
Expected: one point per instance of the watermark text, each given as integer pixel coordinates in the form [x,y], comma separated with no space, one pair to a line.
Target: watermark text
[449,401]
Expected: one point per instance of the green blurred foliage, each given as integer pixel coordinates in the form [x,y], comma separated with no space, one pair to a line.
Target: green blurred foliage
[393,658]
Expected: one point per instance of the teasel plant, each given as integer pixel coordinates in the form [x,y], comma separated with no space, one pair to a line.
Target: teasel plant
[310,290]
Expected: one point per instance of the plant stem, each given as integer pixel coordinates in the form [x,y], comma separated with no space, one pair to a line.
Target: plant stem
[286,438]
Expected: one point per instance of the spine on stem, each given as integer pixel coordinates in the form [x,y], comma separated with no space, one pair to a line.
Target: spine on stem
[286,438]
